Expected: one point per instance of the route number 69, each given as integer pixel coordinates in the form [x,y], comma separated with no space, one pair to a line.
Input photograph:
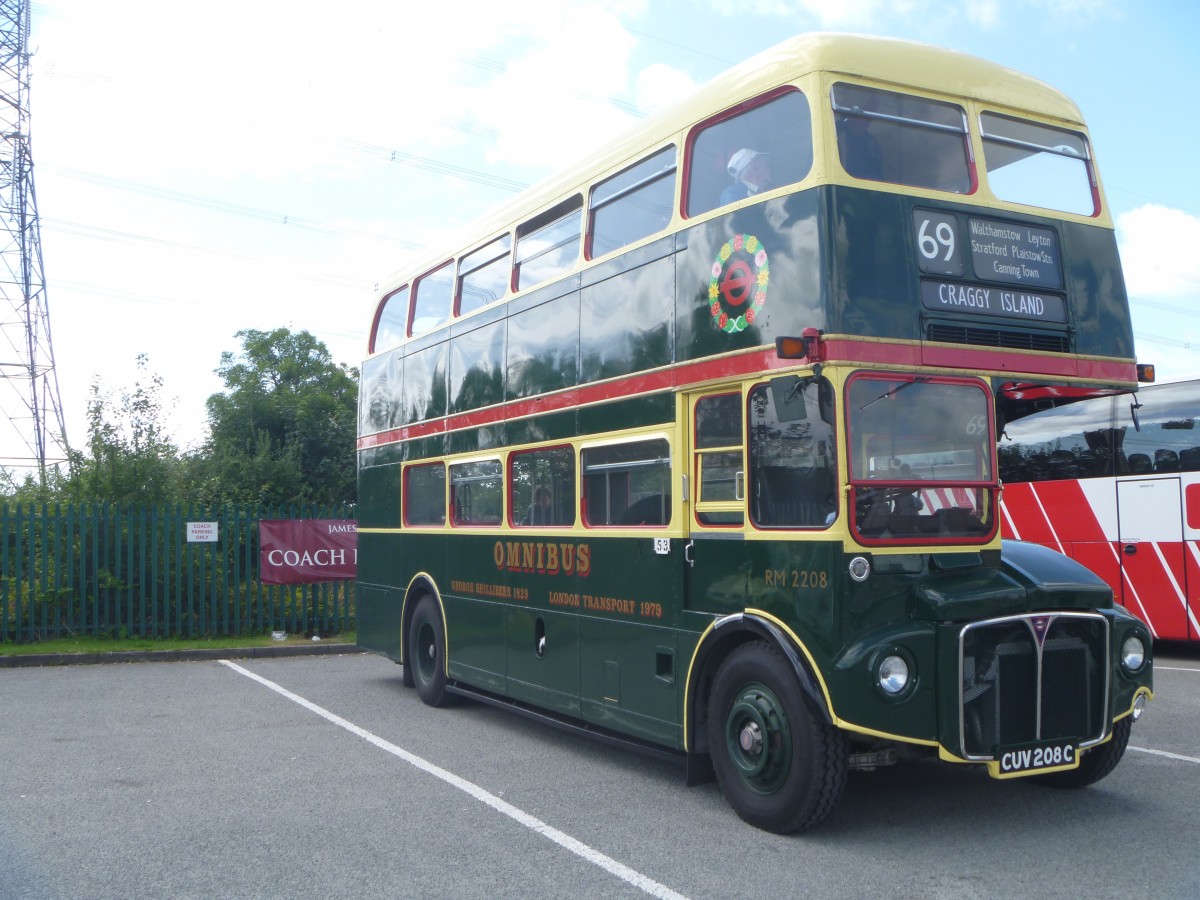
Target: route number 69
[931,244]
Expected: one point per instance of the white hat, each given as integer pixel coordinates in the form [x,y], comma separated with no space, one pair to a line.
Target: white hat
[741,159]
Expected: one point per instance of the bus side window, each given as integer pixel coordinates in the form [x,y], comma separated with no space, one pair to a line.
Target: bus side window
[632,204]
[483,275]
[541,487]
[779,126]
[476,493]
[627,484]
[425,495]
[548,244]
[432,295]
[392,320]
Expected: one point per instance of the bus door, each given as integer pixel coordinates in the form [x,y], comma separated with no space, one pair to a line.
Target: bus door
[1191,538]
[715,576]
[1150,532]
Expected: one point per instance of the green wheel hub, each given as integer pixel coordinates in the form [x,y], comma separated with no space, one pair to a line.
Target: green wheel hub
[759,738]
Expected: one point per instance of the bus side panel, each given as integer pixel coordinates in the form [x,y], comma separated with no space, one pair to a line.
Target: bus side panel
[788,271]
[543,658]
[630,669]
[474,591]
[377,611]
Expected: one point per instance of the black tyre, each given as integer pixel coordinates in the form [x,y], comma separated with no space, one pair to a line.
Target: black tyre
[427,652]
[1094,764]
[780,768]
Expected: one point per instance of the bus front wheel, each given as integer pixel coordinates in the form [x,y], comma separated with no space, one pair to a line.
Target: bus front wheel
[779,766]
[427,652]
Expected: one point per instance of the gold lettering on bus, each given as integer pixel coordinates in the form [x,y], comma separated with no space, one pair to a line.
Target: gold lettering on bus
[543,558]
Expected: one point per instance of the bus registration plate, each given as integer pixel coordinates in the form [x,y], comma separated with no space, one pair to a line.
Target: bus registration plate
[1029,759]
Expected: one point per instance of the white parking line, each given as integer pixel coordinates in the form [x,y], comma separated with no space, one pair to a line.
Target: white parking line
[610,865]
[1158,668]
[1178,756]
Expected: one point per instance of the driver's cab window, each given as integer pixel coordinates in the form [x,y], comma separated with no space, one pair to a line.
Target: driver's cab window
[793,453]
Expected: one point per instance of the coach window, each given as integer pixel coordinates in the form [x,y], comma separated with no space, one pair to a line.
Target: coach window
[483,276]
[632,204]
[476,493]
[431,301]
[548,244]
[778,125]
[1038,166]
[902,139]
[393,316]
[542,487]
[425,495]
[627,484]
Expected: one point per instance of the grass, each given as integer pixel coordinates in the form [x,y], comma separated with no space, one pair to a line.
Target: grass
[111,645]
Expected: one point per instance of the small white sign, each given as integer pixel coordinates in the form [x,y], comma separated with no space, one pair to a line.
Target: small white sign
[662,546]
[202,532]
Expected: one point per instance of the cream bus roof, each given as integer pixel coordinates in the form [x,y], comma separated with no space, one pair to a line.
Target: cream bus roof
[900,63]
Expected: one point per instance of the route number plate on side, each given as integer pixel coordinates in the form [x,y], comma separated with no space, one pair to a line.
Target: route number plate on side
[1030,759]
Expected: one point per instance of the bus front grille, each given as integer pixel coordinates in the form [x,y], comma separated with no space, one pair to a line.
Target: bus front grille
[1032,678]
[995,337]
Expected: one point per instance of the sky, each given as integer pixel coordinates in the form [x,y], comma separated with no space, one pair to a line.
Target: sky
[204,168]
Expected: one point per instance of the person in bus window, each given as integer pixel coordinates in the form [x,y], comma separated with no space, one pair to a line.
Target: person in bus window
[539,512]
[751,174]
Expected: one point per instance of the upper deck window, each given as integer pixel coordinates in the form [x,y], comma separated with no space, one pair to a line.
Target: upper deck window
[548,244]
[902,139]
[393,317]
[483,276]
[1037,165]
[632,204]
[747,152]
[431,300]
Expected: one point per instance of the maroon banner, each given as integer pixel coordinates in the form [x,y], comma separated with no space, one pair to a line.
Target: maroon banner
[303,551]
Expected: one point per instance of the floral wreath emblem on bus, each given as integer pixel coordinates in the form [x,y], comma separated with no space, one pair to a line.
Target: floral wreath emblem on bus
[738,287]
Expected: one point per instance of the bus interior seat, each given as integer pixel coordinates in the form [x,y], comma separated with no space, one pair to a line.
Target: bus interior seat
[1166,461]
[1139,463]
[647,511]
[785,495]
[1189,459]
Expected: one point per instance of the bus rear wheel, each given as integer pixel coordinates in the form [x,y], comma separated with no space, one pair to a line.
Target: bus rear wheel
[427,652]
[1095,763]
[779,766]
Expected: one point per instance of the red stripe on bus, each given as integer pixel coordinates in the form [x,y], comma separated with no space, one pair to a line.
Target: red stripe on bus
[1159,595]
[753,362]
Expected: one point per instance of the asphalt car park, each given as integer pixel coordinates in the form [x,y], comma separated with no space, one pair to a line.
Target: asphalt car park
[323,776]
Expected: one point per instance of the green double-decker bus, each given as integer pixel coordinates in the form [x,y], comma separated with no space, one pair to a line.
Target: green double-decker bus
[693,447]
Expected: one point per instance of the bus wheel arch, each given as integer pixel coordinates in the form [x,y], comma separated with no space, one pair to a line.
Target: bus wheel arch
[723,639]
[779,765]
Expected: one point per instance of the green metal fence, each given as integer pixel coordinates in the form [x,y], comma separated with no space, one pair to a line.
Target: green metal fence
[124,570]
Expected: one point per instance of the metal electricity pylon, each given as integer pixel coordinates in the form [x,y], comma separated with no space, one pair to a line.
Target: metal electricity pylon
[29,394]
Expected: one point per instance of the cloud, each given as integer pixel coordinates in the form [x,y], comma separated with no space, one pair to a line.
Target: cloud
[1158,252]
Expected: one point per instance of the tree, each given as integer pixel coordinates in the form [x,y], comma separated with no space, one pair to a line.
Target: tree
[284,429]
[129,457]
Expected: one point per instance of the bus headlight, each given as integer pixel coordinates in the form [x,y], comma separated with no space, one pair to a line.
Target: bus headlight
[1133,654]
[892,674]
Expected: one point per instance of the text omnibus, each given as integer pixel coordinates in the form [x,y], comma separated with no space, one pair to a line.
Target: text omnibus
[693,447]
[1114,482]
